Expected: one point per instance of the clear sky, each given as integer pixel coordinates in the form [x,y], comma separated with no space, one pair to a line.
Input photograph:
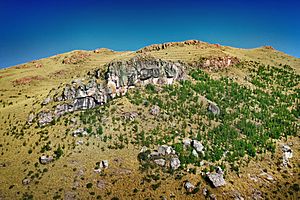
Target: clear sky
[33,29]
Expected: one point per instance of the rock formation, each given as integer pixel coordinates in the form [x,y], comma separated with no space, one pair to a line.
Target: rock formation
[119,77]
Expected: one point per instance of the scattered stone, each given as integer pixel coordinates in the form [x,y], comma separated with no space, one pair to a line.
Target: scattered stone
[216,178]
[130,116]
[212,107]
[205,191]
[287,154]
[46,101]
[70,195]
[187,143]
[189,187]
[30,118]
[175,163]
[213,197]
[80,142]
[267,176]
[104,164]
[160,162]
[101,184]
[197,146]
[194,153]
[46,159]
[257,194]
[73,120]
[144,149]
[79,132]
[26,181]
[97,171]
[155,110]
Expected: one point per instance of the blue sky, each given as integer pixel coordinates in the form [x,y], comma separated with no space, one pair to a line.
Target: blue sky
[35,29]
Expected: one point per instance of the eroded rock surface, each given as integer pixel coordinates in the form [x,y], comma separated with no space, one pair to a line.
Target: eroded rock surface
[119,77]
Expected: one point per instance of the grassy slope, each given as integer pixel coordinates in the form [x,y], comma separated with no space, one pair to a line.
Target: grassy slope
[53,73]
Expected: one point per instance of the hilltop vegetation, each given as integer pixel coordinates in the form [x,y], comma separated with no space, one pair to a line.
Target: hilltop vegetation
[229,117]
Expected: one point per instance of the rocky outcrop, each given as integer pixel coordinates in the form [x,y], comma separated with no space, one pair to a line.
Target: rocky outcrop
[158,47]
[216,178]
[119,77]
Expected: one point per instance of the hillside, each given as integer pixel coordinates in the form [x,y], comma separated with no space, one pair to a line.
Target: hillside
[180,120]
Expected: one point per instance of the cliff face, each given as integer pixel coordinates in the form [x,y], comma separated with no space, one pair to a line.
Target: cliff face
[120,76]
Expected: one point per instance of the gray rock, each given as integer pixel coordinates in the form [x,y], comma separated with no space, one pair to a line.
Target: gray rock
[130,116]
[84,103]
[79,132]
[155,110]
[165,150]
[143,149]
[62,109]
[80,142]
[194,153]
[212,107]
[46,159]
[47,101]
[104,164]
[287,154]
[174,163]
[216,178]
[160,162]
[213,197]
[44,118]
[101,184]
[197,146]
[31,117]
[187,143]
[26,181]
[189,186]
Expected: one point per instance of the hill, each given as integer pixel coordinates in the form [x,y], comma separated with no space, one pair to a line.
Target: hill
[178,120]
